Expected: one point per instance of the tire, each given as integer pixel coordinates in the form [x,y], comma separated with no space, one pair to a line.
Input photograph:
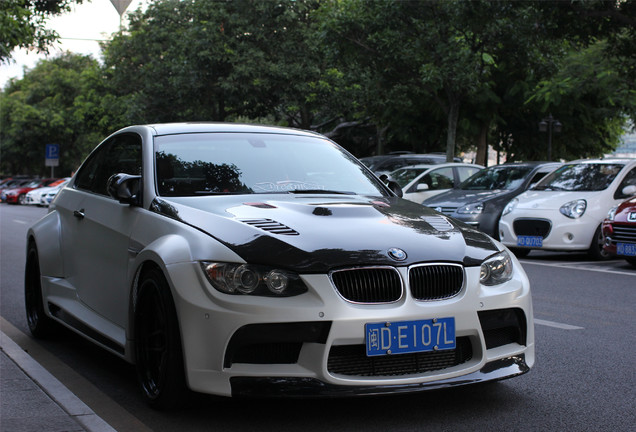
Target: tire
[632,261]
[596,251]
[158,352]
[520,252]
[22,199]
[40,325]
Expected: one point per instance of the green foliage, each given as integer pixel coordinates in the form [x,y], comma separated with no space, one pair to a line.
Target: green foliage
[376,76]
[22,24]
[58,101]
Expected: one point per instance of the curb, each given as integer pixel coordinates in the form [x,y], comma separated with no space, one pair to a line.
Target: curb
[70,403]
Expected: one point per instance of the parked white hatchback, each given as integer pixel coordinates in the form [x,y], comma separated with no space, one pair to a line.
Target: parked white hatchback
[565,210]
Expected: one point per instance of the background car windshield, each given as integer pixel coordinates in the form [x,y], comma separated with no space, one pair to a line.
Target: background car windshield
[506,178]
[406,175]
[580,177]
[216,163]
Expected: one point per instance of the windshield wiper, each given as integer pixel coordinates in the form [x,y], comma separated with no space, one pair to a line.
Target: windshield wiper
[320,191]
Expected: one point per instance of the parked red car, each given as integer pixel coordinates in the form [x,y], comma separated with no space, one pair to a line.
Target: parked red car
[619,229]
[17,195]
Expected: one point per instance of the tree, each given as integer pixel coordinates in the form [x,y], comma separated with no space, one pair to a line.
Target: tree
[22,24]
[219,60]
[58,101]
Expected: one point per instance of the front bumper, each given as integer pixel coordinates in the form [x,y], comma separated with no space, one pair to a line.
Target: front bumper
[308,333]
[564,234]
[313,388]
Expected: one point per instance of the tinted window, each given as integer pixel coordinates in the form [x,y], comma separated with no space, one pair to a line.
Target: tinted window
[580,177]
[629,180]
[120,154]
[440,179]
[499,177]
[465,172]
[219,163]
[405,176]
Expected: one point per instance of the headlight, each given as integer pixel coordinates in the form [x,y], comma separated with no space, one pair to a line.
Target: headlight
[612,214]
[252,279]
[574,209]
[510,206]
[474,208]
[496,270]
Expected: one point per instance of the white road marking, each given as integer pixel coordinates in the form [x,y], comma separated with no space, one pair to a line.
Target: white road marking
[19,221]
[582,265]
[557,325]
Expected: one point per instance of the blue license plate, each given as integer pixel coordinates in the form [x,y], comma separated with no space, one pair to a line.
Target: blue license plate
[530,241]
[388,338]
[626,249]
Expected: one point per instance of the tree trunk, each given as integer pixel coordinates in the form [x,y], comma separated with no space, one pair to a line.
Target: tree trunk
[453,116]
[380,140]
[482,145]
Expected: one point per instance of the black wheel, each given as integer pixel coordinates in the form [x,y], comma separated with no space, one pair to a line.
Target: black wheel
[158,349]
[22,199]
[632,261]
[40,325]
[520,252]
[596,250]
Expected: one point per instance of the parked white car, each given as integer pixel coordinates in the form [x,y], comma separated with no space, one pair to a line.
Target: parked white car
[419,182]
[565,210]
[35,196]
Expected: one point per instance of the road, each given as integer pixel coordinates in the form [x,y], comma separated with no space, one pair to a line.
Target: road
[584,378]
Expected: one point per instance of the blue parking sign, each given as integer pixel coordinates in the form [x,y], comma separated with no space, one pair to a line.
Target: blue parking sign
[52,155]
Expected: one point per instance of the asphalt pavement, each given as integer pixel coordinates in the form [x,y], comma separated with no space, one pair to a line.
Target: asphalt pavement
[31,399]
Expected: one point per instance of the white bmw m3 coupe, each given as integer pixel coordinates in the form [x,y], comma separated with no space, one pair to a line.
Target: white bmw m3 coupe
[244,260]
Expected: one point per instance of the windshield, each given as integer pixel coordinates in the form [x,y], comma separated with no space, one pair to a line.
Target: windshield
[580,177]
[231,163]
[406,175]
[498,177]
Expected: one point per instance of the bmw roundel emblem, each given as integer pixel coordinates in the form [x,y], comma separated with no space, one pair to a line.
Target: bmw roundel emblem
[397,254]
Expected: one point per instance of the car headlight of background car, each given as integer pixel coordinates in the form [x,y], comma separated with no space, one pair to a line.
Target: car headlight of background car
[496,270]
[574,209]
[473,208]
[250,279]
[611,214]
[510,206]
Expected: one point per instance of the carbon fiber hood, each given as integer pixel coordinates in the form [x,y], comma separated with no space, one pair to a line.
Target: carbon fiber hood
[317,233]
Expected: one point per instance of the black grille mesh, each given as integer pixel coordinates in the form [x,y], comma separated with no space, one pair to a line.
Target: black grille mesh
[351,360]
[532,227]
[383,284]
[436,282]
[368,285]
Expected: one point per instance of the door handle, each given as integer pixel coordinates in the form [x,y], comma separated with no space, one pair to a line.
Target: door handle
[79,214]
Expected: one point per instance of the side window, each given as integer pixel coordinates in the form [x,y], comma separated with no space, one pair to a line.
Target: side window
[441,179]
[120,154]
[629,180]
[465,172]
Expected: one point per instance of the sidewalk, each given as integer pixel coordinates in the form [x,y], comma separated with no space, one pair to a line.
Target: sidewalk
[31,399]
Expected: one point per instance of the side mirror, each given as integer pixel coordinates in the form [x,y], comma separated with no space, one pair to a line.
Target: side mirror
[629,190]
[422,186]
[124,188]
[393,185]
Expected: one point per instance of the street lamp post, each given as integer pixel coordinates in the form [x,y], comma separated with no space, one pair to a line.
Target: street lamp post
[546,125]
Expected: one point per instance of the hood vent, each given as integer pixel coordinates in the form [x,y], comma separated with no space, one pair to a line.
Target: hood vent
[270,226]
[438,222]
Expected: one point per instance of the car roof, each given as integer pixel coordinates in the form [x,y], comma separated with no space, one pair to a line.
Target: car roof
[203,127]
[442,165]
[608,160]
